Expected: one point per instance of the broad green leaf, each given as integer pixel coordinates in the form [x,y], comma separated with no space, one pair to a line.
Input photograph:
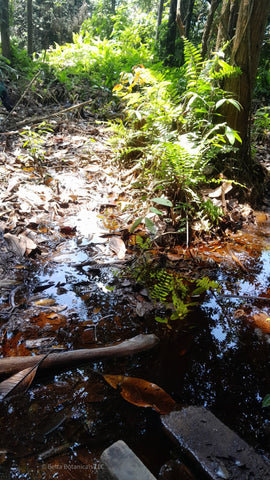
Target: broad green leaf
[230,134]
[161,320]
[136,223]
[156,211]
[220,102]
[162,201]
[235,103]
[266,401]
[150,225]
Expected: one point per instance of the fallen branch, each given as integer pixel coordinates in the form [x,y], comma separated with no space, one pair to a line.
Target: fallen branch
[140,343]
[53,114]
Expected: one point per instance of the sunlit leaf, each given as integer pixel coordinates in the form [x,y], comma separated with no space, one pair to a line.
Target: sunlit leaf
[156,211]
[161,320]
[142,393]
[45,302]
[117,87]
[162,201]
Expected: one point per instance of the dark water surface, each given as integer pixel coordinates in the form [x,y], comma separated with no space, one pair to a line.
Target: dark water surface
[216,357]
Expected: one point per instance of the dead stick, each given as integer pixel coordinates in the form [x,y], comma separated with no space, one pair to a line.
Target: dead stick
[23,95]
[54,114]
[140,343]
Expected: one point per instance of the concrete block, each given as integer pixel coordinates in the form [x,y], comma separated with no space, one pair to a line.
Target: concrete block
[217,451]
[119,462]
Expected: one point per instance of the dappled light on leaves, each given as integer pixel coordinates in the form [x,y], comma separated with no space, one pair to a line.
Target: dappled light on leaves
[141,393]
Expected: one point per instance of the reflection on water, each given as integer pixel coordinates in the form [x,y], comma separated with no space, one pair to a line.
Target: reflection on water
[215,358]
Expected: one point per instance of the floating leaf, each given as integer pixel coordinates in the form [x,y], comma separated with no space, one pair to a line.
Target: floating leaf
[262,321]
[68,230]
[142,393]
[45,302]
[162,201]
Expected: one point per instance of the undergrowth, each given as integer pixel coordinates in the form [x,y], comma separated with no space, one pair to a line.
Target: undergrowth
[177,293]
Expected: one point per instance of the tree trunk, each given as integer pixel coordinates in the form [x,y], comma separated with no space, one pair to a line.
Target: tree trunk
[5,39]
[186,10]
[250,29]
[171,34]
[208,26]
[159,19]
[227,23]
[29,27]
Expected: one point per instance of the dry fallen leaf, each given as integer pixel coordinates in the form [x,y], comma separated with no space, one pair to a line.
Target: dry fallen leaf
[117,245]
[142,393]
[262,321]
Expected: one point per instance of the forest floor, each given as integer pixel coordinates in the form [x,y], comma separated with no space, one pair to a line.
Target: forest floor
[67,260]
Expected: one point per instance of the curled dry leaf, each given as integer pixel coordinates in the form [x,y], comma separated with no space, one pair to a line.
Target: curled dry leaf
[20,245]
[142,393]
[117,245]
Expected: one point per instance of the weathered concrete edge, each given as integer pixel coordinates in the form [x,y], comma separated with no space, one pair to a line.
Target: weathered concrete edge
[212,447]
[119,462]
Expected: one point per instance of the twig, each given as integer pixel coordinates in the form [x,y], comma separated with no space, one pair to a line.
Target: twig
[23,95]
[54,114]
[245,297]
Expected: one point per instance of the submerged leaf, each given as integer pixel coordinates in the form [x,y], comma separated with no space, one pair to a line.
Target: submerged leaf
[266,401]
[142,393]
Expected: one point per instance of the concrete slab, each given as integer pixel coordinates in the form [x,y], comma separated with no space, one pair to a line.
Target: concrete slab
[215,449]
[119,462]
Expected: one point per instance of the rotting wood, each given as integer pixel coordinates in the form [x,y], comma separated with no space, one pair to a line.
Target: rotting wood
[140,343]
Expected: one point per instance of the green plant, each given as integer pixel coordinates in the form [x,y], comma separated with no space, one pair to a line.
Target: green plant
[261,125]
[34,140]
[177,293]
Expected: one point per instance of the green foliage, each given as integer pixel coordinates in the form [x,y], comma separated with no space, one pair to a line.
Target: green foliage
[261,125]
[266,401]
[34,139]
[173,138]
[175,292]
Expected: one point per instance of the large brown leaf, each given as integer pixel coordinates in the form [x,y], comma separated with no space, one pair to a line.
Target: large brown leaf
[142,393]
[20,382]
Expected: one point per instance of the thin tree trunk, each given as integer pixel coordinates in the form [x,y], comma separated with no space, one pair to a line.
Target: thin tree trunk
[171,34]
[29,27]
[5,38]
[186,10]
[208,26]
[223,34]
[159,19]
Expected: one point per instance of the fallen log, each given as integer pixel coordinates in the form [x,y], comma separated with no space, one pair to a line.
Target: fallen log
[140,343]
